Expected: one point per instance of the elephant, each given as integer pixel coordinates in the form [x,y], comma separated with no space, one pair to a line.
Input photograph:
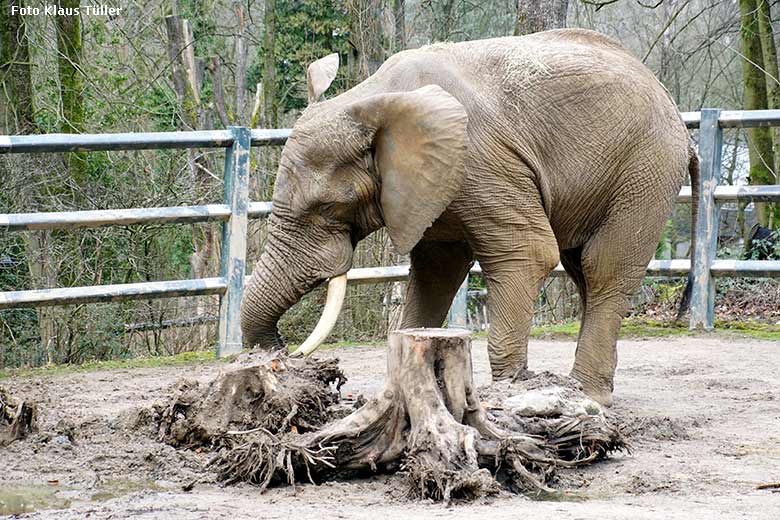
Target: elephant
[518,152]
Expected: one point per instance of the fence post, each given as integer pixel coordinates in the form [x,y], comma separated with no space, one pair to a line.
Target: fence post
[233,261]
[458,315]
[706,232]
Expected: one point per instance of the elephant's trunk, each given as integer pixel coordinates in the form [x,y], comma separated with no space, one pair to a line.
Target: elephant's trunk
[275,287]
[292,264]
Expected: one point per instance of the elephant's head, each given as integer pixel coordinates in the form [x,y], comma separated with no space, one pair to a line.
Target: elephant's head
[351,166]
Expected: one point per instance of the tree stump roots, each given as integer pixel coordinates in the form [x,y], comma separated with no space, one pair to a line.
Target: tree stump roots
[426,422]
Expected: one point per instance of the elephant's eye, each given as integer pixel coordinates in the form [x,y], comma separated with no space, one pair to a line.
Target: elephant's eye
[327,210]
[336,214]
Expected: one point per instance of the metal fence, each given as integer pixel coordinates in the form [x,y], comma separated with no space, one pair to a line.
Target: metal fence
[236,210]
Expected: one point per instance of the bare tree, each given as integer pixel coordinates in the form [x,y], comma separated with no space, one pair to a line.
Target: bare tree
[755,94]
[540,15]
[18,113]
[371,37]
[270,104]
[71,78]
[772,77]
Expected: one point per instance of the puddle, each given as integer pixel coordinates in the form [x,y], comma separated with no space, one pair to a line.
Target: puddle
[16,500]
[116,488]
[558,496]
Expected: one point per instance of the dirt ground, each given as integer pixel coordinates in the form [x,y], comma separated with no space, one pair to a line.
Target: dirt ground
[702,416]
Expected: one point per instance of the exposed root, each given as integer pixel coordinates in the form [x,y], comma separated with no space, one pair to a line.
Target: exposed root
[437,482]
[581,439]
[429,423]
[263,459]
[18,418]
[276,395]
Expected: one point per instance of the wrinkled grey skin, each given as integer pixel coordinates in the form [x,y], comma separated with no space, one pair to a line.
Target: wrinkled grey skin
[520,152]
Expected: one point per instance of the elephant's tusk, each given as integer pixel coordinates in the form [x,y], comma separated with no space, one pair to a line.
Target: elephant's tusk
[337,289]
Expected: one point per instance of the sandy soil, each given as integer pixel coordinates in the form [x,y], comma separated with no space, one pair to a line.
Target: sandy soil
[702,416]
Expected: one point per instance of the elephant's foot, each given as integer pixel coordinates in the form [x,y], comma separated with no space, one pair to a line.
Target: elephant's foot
[503,366]
[600,390]
[513,373]
[523,374]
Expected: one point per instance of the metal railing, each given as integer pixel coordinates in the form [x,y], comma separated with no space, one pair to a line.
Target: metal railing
[236,209]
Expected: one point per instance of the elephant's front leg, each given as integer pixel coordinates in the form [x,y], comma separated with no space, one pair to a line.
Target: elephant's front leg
[438,269]
[516,254]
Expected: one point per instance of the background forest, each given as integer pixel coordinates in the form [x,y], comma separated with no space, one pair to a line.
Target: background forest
[165,65]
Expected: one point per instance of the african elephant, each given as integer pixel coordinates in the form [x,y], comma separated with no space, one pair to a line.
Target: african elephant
[517,152]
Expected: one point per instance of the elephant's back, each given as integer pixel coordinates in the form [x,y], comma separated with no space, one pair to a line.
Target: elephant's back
[585,115]
[563,66]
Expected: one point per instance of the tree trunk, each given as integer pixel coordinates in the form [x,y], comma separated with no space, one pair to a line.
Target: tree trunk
[540,15]
[215,69]
[187,77]
[399,19]
[71,84]
[241,54]
[369,38]
[769,51]
[270,105]
[755,93]
[17,112]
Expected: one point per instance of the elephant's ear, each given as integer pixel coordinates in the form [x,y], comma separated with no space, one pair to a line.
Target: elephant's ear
[320,74]
[419,151]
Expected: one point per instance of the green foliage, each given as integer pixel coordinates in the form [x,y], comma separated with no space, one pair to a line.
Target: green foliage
[306,31]
[203,23]
[765,249]
[19,326]
[750,328]
[664,247]
[667,291]
[642,328]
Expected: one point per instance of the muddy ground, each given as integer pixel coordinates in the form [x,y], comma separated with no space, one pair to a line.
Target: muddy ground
[702,416]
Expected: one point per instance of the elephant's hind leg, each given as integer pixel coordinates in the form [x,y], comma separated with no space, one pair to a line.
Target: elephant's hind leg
[438,269]
[613,264]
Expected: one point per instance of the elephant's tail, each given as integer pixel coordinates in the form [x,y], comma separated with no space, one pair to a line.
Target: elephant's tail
[693,171]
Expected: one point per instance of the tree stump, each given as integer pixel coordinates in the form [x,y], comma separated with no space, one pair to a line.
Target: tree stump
[275,394]
[427,421]
[18,418]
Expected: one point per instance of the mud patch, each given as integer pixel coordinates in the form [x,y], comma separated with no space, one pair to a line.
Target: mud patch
[679,371]
[721,462]
[656,428]
[645,483]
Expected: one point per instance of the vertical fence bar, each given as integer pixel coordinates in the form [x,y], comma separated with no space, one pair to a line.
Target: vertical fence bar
[706,232]
[458,315]
[234,231]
